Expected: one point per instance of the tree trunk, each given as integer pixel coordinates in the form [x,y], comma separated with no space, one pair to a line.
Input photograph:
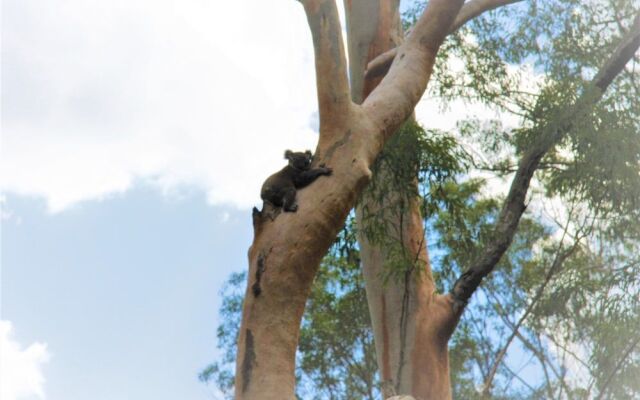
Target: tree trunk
[287,250]
[288,247]
[411,347]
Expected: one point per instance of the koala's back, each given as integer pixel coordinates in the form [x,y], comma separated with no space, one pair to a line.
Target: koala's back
[277,185]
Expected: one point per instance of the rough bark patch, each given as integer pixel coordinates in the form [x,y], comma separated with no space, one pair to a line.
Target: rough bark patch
[256,215]
[248,361]
[268,211]
[259,271]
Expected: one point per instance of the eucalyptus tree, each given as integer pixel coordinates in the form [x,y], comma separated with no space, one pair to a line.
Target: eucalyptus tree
[579,51]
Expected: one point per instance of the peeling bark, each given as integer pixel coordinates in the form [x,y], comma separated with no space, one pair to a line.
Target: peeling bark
[259,271]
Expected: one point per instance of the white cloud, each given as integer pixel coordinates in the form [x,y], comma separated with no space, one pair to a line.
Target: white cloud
[431,114]
[100,94]
[20,369]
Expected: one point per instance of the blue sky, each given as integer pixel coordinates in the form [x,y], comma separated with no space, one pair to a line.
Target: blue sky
[135,137]
[123,292]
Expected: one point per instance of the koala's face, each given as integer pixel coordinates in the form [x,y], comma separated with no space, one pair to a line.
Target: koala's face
[299,160]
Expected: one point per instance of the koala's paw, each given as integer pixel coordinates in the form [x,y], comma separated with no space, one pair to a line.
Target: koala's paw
[292,208]
[326,170]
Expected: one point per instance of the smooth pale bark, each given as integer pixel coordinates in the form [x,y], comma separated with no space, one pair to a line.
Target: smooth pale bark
[286,251]
[409,319]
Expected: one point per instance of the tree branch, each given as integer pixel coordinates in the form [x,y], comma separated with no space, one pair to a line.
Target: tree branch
[621,55]
[394,99]
[545,361]
[474,8]
[617,368]
[331,67]
[550,133]
[380,65]
[555,266]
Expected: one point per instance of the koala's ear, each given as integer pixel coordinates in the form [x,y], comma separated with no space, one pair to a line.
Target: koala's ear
[288,154]
[308,153]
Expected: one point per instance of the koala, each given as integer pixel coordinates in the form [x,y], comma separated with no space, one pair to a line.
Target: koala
[280,188]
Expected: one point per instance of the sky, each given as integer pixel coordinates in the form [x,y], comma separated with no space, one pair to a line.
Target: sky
[135,136]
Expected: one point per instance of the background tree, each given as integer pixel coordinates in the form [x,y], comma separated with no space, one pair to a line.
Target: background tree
[562,128]
[494,85]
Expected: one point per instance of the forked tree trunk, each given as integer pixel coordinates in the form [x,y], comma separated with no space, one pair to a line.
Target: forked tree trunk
[287,251]
[404,307]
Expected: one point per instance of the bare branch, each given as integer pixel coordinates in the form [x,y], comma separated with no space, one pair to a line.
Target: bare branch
[380,65]
[570,352]
[331,70]
[550,133]
[555,266]
[517,376]
[617,368]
